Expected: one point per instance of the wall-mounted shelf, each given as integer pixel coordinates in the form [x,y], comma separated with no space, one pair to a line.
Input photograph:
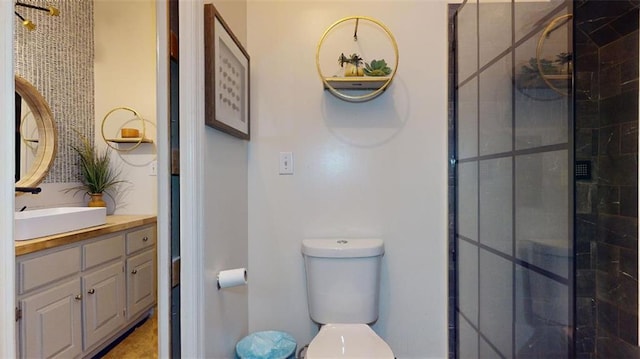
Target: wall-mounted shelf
[355,83]
[340,86]
[558,77]
[557,82]
[543,88]
[135,141]
[129,140]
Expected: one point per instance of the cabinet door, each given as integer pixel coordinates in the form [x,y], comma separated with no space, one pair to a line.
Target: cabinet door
[51,322]
[103,303]
[141,283]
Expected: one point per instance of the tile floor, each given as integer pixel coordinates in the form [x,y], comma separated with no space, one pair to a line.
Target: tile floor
[142,343]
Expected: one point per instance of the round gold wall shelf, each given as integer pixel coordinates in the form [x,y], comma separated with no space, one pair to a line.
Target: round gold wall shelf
[137,141]
[558,83]
[340,86]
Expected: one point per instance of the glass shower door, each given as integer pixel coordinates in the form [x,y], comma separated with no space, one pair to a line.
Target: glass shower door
[514,194]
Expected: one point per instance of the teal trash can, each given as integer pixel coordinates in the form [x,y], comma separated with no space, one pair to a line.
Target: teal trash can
[270,344]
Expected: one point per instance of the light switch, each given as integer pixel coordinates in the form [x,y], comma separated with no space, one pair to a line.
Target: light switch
[153,168]
[286,163]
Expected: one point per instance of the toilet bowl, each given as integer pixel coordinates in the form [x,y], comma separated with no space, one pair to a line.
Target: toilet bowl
[348,341]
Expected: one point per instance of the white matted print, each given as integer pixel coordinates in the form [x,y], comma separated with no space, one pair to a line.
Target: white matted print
[227,78]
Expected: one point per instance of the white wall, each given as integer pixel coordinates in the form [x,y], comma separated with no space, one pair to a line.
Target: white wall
[225,221]
[125,75]
[52,195]
[234,13]
[225,242]
[142,200]
[375,169]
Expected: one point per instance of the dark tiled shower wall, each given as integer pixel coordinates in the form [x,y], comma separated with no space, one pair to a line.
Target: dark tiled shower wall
[607,205]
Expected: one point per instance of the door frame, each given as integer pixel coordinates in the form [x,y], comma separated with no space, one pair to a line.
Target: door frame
[7,194]
[191,113]
[164,180]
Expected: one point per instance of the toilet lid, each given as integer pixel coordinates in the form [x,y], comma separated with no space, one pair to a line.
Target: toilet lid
[348,341]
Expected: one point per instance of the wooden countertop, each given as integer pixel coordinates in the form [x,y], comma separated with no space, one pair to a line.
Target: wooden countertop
[114,223]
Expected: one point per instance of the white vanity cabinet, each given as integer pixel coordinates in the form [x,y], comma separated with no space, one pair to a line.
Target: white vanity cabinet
[74,299]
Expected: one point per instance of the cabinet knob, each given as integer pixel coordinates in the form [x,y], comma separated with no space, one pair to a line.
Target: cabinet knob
[79,297]
[145,238]
[91,291]
[134,271]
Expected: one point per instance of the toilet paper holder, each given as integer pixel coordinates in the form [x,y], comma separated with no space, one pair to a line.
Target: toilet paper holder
[231,278]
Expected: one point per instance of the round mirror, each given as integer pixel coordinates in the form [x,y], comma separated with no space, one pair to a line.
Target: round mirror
[35,135]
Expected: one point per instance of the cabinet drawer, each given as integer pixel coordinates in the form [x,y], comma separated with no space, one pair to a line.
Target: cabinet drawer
[48,268]
[141,239]
[103,251]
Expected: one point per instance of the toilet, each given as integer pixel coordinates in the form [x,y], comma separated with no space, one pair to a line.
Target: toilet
[545,306]
[343,285]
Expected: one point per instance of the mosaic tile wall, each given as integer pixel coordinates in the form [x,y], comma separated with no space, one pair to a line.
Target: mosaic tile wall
[57,58]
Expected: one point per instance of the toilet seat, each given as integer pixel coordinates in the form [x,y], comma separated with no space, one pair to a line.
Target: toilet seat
[338,341]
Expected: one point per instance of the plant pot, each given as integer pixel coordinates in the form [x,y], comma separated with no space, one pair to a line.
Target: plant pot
[96,200]
[351,70]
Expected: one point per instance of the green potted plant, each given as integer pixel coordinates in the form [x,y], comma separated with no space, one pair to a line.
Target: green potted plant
[377,68]
[352,63]
[531,73]
[97,176]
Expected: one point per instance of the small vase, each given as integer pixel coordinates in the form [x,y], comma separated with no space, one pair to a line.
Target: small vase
[96,200]
[353,70]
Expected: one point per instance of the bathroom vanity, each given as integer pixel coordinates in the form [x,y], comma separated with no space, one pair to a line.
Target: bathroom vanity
[77,292]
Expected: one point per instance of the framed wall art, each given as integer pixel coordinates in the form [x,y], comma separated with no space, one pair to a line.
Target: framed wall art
[226,77]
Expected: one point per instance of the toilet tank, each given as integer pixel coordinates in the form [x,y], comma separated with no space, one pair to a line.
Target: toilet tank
[343,279]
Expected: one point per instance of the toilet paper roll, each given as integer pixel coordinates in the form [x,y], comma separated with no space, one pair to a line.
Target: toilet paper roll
[232,278]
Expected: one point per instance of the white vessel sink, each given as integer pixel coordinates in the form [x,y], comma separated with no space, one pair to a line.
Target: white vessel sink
[50,221]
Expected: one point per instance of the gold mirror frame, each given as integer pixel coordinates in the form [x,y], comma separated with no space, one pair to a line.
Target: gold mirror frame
[47,141]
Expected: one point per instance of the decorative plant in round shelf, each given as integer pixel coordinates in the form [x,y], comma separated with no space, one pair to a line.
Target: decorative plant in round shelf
[536,69]
[96,174]
[353,65]
[377,68]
